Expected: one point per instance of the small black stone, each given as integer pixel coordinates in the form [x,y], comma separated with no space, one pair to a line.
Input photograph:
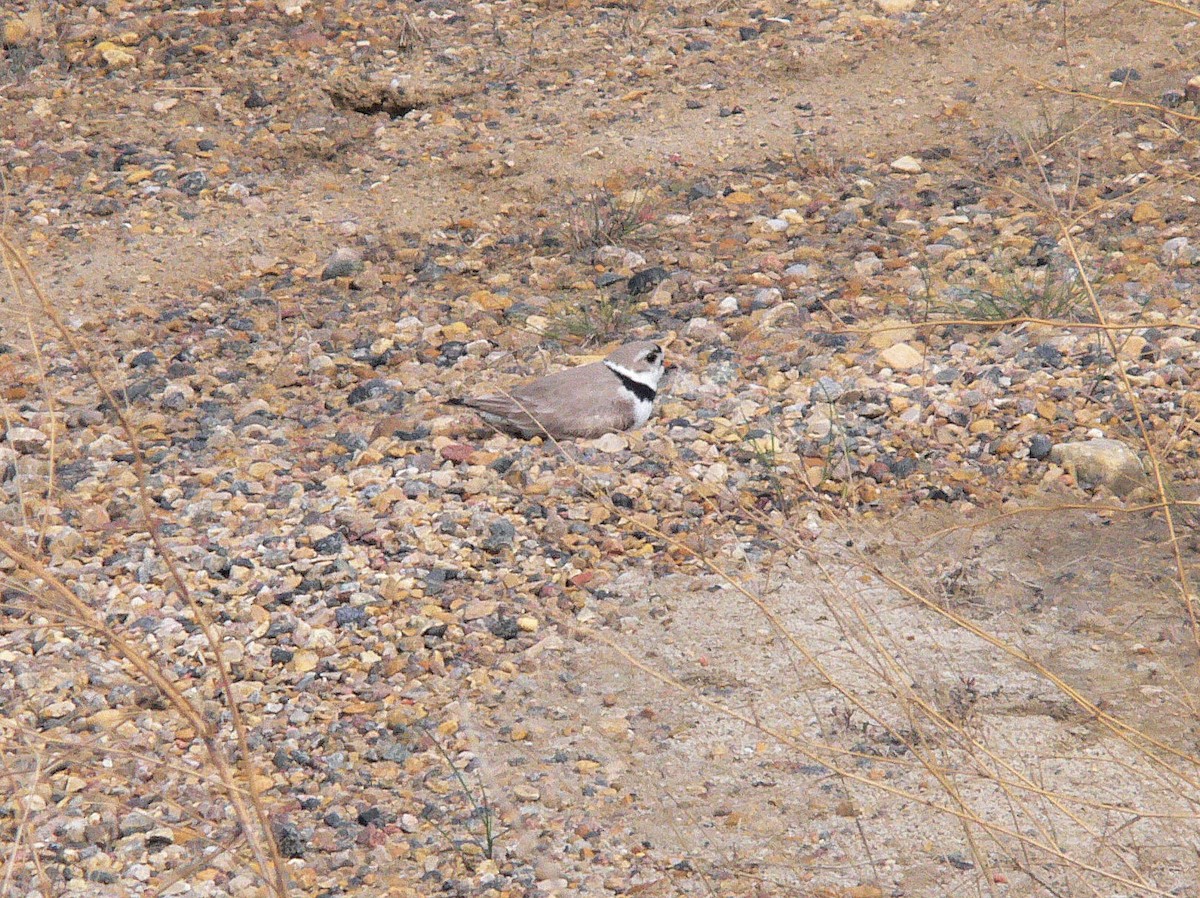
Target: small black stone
[504,628]
[291,842]
[281,655]
[193,183]
[621,500]
[500,537]
[371,389]
[1039,446]
[1125,74]
[1173,98]
[330,545]
[255,100]
[697,46]
[144,359]
[349,616]
[1049,355]
[367,816]
[748,33]
[646,280]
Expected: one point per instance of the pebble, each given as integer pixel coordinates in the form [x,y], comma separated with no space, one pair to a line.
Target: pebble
[611,443]
[826,390]
[728,306]
[1192,89]
[1179,253]
[344,262]
[908,165]
[1101,462]
[26,439]
[901,357]
[646,280]
[1039,446]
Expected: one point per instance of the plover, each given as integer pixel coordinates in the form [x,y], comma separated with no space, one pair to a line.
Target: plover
[587,401]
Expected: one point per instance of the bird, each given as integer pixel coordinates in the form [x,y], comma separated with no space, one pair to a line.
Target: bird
[587,401]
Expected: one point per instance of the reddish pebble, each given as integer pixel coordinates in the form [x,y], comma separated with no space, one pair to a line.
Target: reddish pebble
[879,472]
[457,452]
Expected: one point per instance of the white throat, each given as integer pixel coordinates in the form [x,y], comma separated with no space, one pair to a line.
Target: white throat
[646,378]
[643,405]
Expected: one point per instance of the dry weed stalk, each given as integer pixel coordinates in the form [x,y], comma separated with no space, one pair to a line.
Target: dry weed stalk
[878,651]
[47,593]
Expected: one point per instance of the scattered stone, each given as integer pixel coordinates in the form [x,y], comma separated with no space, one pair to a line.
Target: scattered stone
[826,390]
[136,822]
[1144,212]
[611,442]
[1179,253]
[1101,462]
[344,262]
[500,536]
[901,357]
[1039,446]
[646,280]
[908,165]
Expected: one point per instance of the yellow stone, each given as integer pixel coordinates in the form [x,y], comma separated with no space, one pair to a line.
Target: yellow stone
[304,661]
[107,718]
[1143,212]
[489,301]
[16,32]
[114,56]
[738,198]
[983,425]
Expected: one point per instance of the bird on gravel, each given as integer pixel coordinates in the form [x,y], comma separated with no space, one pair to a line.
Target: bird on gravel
[614,394]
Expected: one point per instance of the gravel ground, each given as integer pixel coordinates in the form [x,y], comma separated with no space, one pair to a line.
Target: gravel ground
[680,660]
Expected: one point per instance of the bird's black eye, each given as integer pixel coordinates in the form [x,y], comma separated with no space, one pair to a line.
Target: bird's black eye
[652,355]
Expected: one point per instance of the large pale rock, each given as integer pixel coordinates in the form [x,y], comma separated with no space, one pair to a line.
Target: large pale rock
[901,357]
[1101,462]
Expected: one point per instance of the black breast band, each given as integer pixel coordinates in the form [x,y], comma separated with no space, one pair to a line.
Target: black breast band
[636,387]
